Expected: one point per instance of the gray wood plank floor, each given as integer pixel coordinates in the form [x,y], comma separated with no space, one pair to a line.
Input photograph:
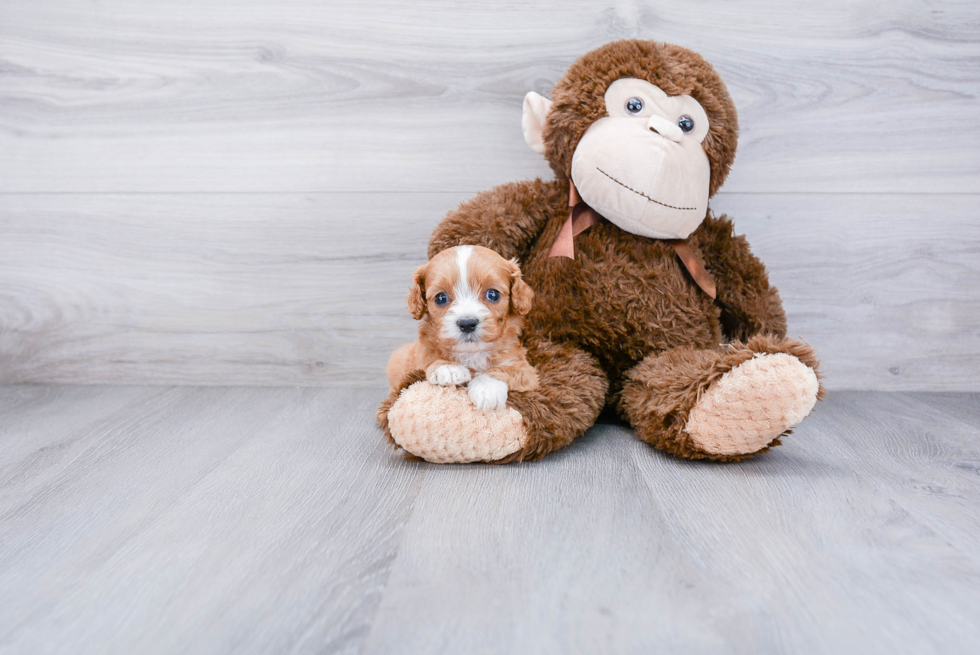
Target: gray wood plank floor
[178,519]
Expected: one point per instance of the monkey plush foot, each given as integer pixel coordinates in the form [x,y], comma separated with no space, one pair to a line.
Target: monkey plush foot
[752,404]
[722,404]
[441,425]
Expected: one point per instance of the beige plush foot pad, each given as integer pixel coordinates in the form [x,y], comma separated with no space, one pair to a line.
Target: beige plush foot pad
[441,425]
[752,404]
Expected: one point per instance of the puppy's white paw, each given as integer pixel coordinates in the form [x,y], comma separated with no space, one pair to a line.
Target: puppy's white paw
[449,375]
[487,392]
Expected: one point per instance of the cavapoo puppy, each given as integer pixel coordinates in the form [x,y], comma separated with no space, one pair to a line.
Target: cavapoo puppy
[472,303]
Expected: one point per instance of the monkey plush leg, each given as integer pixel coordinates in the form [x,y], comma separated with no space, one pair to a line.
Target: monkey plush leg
[441,424]
[722,404]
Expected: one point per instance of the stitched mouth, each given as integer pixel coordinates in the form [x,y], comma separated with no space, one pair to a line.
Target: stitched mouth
[640,193]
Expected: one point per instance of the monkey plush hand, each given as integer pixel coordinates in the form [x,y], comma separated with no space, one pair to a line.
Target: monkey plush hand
[646,301]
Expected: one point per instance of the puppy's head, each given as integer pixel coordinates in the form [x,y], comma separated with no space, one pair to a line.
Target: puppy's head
[469,296]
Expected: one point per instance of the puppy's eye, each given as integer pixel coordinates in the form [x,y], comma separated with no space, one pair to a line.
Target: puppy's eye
[685,123]
[493,295]
[441,298]
[634,106]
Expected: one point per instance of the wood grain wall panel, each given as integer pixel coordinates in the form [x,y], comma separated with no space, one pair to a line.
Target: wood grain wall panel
[308,289]
[886,287]
[301,289]
[235,192]
[300,96]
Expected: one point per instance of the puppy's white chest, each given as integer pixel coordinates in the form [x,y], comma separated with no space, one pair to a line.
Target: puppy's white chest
[478,361]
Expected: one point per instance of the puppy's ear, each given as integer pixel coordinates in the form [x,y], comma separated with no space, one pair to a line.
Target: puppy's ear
[521,295]
[416,295]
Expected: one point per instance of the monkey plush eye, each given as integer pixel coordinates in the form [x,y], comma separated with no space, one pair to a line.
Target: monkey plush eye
[634,106]
[685,123]
[493,295]
[441,298]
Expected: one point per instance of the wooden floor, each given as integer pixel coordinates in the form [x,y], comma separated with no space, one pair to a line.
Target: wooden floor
[213,520]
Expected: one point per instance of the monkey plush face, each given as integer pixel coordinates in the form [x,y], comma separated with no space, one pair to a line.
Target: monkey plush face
[642,166]
[646,131]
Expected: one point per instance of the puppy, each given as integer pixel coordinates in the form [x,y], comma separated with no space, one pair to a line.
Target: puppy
[472,303]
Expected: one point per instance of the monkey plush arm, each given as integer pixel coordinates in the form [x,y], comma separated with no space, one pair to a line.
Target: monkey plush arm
[749,305]
[506,218]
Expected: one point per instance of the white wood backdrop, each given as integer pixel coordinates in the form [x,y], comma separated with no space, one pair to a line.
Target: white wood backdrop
[236,192]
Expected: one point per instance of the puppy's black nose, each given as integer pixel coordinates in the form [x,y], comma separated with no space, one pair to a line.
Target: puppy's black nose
[467,324]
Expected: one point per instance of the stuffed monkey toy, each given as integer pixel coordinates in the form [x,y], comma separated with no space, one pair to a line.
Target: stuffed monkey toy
[645,301]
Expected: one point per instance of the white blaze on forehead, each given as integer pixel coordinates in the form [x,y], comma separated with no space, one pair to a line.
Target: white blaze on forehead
[463,254]
[466,299]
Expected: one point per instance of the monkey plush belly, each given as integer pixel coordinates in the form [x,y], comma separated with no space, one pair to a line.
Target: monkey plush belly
[622,298]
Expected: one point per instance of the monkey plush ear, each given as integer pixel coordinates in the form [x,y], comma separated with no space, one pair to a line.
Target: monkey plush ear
[536,109]
[416,295]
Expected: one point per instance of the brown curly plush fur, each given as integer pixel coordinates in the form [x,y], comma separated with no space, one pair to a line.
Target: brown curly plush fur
[623,323]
